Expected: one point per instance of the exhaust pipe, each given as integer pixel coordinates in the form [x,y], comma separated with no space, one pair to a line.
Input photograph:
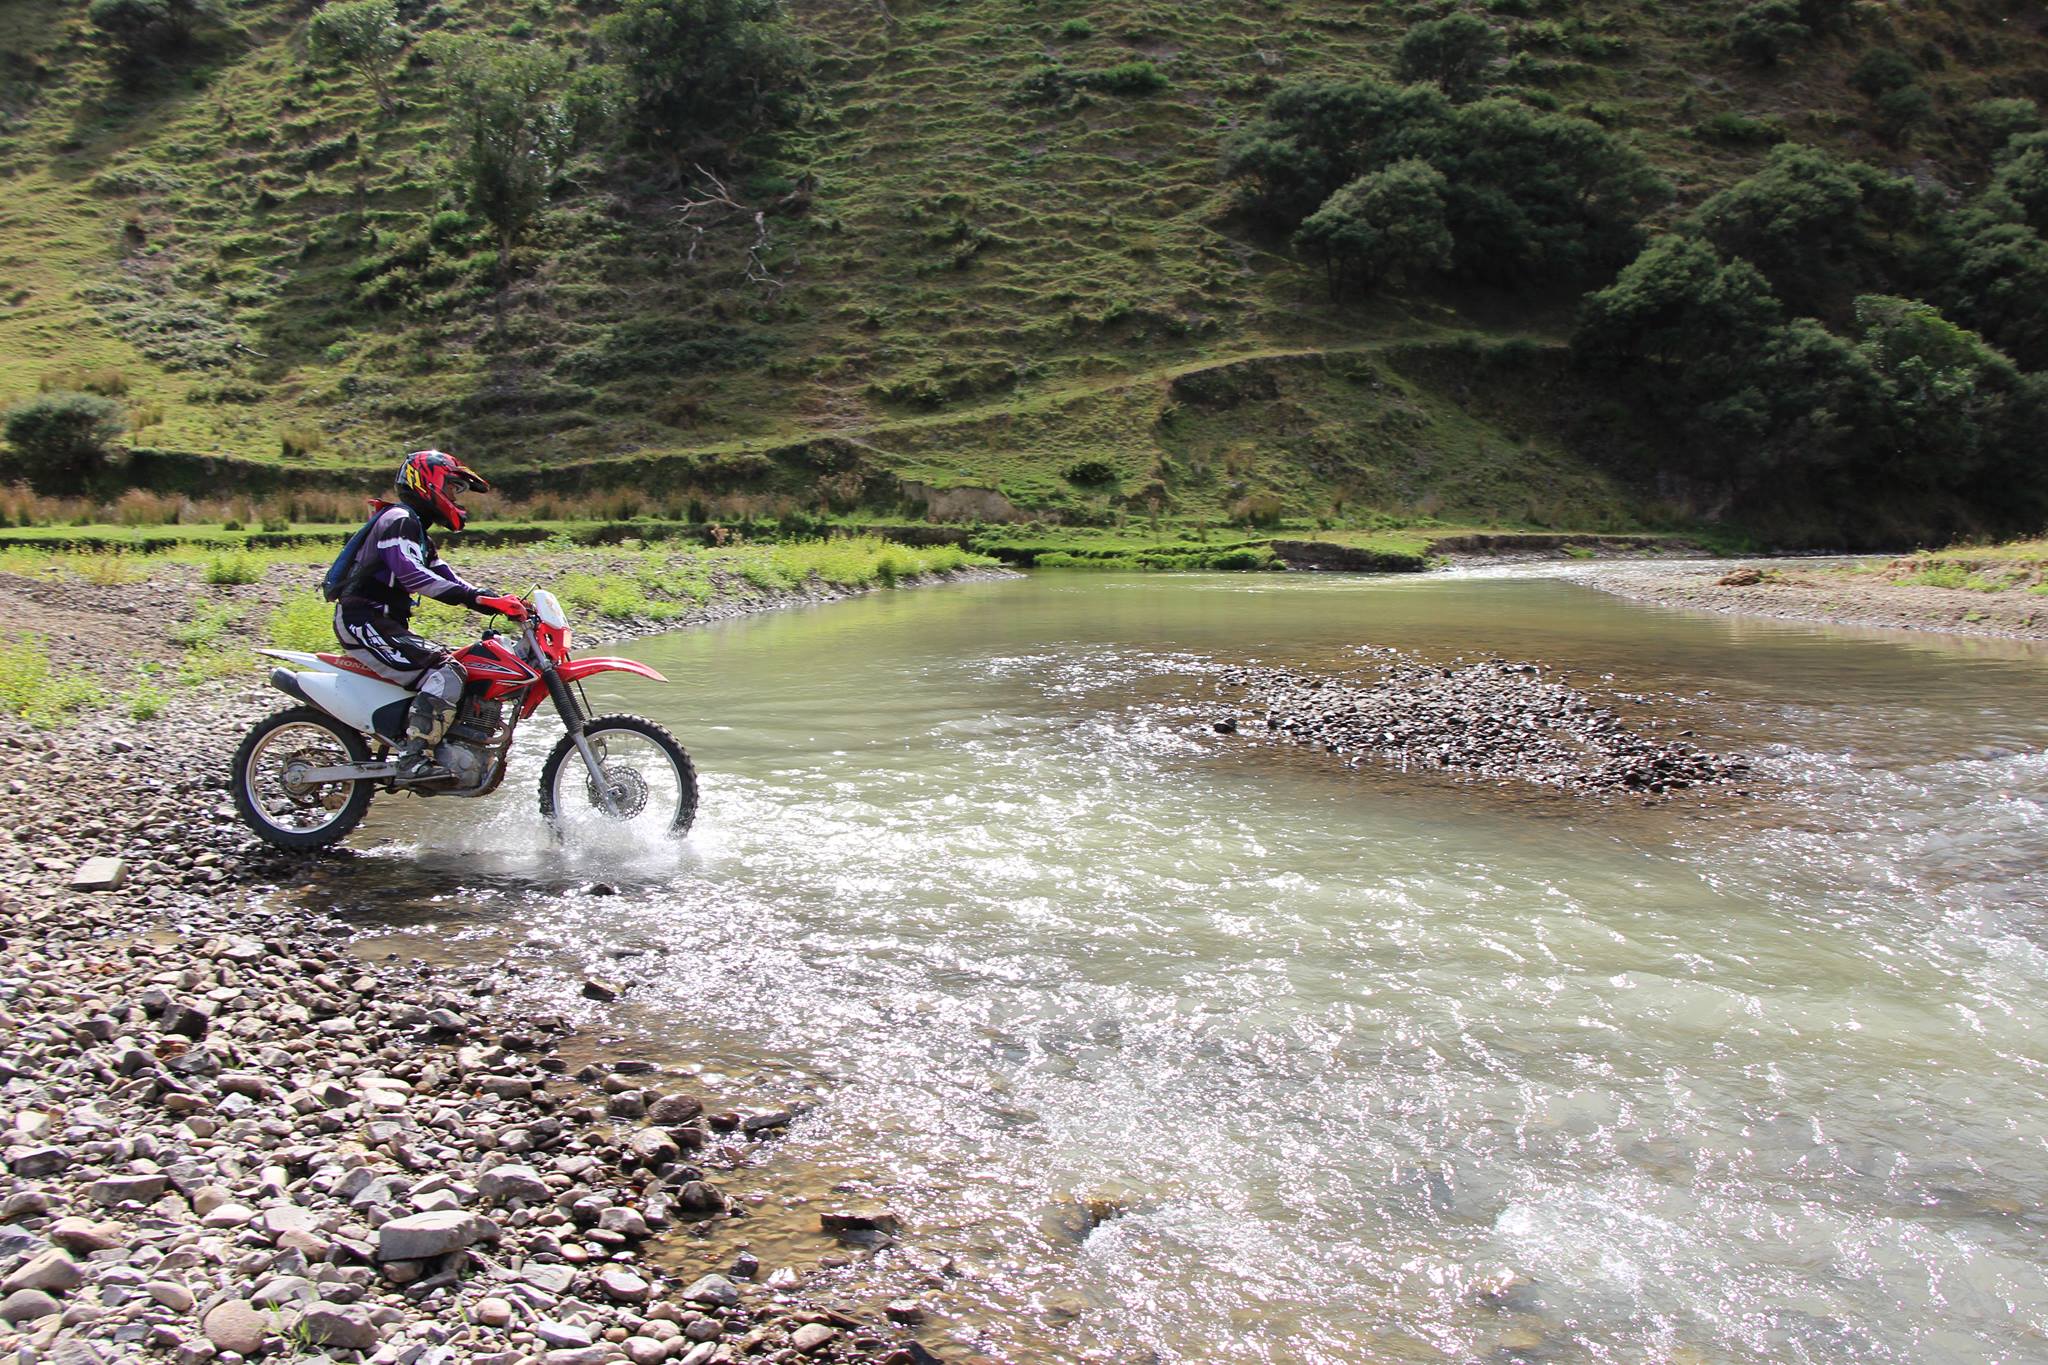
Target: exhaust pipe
[287,682]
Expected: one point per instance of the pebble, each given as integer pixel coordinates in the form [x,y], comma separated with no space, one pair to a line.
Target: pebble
[236,1325]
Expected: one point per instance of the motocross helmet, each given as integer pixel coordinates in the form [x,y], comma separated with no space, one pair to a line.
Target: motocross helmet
[429,482]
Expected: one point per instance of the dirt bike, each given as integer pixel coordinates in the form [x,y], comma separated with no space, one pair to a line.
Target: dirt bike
[304,777]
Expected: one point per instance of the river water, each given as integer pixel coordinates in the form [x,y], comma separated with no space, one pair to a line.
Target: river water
[1171,1046]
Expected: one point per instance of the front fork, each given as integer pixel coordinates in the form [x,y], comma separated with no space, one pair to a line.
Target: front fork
[572,720]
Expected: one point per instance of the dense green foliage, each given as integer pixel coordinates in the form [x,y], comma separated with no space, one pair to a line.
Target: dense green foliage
[1385,225]
[699,70]
[1528,195]
[63,439]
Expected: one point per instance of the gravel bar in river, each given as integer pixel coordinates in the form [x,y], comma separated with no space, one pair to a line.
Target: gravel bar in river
[1492,719]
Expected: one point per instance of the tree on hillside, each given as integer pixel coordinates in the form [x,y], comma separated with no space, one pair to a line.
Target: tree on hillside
[1679,308]
[1807,219]
[1381,226]
[1766,31]
[1997,280]
[2019,190]
[62,439]
[1536,195]
[701,70]
[513,129]
[1452,52]
[365,35]
[1315,136]
[140,30]
[1960,412]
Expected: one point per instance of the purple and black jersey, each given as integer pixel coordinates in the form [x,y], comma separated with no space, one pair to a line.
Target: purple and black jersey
[397,563]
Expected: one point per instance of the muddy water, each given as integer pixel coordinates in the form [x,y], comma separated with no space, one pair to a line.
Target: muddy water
[1172,1047]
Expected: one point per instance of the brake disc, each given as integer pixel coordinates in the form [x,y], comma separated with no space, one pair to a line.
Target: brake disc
[628,789]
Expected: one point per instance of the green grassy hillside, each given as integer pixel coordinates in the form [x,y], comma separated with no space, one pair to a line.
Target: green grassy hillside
[1051,300]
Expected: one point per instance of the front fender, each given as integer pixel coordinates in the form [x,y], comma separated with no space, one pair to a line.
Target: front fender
[576,669]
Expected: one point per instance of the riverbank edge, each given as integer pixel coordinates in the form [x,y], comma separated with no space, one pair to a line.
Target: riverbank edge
[1796,590]
[222,1126]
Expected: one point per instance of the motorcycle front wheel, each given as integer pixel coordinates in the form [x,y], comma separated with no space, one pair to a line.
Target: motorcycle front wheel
[648,775]
[289,813]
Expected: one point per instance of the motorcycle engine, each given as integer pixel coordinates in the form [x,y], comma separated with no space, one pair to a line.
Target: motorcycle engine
[464,761]
[462,752]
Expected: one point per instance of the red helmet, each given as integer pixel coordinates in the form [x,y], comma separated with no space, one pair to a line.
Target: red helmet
[429,481]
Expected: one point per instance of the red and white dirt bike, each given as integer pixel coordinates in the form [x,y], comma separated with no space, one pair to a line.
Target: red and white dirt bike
[304,777]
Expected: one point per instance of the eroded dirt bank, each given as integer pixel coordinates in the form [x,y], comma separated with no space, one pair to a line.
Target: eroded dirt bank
[227,1137]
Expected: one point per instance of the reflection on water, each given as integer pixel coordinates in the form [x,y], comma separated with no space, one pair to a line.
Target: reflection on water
[1354,1066]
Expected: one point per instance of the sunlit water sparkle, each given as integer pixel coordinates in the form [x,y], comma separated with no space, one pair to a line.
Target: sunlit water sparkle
[1377,1066]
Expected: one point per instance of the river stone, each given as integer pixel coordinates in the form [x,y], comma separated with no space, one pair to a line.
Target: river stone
[670,1110]
[83,1235]
[562,1335]
[580,1355]
[287,1218]
[330,1324]
[119,1189]
[713,1289]
[622,1285]
[645,1350]
[227,1216]
[859,1218]
[812,1336]
[236,1325]
[654,1148]
[625,1222]
[37,1162]
[28,1305]
[98,874]
[53,1272]
[279,1290]
[492,1312]
[421,1236]
[507,1183]
[170,1294]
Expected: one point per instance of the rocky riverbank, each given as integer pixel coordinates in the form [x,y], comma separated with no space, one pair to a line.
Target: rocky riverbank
[1896,595]
[226,1137]
[1492,719]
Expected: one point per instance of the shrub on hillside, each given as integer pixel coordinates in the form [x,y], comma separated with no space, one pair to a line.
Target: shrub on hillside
[1452,53]
[139,30]
[60,439]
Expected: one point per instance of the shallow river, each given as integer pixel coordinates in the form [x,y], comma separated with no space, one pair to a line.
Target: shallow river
[1366,1066]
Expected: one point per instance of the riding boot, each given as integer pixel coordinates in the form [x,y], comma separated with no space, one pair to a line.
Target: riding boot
[425,723]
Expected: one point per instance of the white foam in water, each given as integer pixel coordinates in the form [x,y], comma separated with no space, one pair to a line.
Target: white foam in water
[1367,1067]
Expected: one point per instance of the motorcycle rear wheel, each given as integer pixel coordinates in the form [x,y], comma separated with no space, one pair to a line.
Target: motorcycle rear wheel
[299,819]
[625,745]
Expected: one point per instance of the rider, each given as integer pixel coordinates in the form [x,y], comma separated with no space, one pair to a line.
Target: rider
[373,615]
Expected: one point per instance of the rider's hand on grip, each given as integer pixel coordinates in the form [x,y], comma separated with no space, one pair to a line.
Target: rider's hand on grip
[504,606]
